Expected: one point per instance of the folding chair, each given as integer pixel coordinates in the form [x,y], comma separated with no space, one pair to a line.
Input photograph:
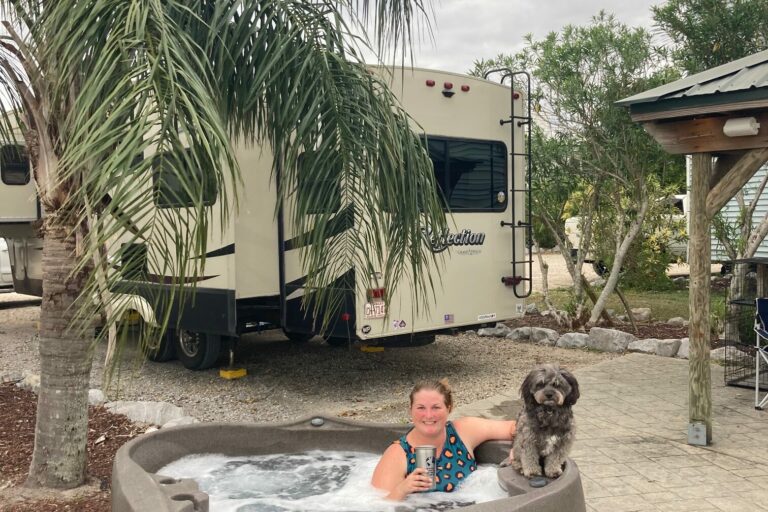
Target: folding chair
[761,349]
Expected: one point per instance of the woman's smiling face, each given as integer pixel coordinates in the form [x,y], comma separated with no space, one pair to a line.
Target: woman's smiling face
[429,411]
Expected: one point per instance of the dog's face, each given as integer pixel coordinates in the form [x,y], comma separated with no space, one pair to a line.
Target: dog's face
[549,385]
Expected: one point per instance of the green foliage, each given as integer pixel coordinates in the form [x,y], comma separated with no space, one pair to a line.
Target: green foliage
[590,158]
[708,33]
[664,304]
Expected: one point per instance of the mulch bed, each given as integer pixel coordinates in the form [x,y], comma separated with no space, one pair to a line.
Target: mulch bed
[18,408]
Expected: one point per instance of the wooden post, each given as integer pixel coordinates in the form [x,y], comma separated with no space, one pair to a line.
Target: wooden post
[699,258]
[762,280]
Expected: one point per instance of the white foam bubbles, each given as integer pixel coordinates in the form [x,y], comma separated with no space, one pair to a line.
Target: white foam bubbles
[321,481]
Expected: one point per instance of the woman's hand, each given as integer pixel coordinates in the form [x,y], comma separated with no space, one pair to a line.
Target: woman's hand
[418,481]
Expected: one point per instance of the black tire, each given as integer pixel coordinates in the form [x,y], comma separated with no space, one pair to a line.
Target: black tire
[298,337]
[197,350]
[166,350]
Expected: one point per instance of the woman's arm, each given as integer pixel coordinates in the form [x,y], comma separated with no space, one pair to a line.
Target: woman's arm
[475,431]
[389,475]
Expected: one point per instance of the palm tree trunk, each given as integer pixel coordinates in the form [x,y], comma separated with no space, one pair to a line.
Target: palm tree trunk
[59,456]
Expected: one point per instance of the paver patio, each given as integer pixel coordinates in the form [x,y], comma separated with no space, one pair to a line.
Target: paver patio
[632,449]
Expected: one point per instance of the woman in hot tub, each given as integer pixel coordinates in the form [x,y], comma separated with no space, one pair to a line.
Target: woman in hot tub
[431,403]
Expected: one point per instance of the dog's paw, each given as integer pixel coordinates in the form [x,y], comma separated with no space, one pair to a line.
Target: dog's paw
[529,472]
[553,472]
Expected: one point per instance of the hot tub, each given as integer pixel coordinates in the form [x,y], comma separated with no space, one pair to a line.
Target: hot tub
[136,486]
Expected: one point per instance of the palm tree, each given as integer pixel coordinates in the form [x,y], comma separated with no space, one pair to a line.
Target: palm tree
[91,87]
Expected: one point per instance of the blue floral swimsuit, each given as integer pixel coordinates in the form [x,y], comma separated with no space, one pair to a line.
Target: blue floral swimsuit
[453,464]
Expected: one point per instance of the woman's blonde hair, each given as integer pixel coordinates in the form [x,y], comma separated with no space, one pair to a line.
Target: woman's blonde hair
[441,386]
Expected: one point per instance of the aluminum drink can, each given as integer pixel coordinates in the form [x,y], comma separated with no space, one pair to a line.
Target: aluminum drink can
[426,458]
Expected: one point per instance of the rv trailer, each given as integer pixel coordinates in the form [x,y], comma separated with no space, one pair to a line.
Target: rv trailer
[477,135]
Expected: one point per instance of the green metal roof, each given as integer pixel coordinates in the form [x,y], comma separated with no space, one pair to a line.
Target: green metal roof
[746,77]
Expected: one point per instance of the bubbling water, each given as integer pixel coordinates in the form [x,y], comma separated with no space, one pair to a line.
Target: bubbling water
[316,481]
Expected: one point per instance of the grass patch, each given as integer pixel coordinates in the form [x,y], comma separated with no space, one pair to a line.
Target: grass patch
[664,304]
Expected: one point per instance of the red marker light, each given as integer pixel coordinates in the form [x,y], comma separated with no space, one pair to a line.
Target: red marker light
[515,95]
[430,83]
[345,317]
[465,88]
[448,85]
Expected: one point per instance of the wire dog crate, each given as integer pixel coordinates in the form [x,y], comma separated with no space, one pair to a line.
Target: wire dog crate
[740,351]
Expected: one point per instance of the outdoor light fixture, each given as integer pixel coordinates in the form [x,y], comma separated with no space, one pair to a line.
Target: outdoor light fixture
[741,127]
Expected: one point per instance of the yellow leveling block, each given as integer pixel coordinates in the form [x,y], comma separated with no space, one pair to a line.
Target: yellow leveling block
[230,372]
[368,348]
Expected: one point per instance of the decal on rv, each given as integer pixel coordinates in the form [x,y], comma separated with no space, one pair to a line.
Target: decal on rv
[439,242]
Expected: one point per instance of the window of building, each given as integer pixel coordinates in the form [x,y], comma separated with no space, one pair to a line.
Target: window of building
[170,191]
[14,165]
[309,183]
[470,173]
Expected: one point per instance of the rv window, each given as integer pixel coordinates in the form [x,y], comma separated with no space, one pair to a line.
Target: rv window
[169,190]
[309,182]
[14,165]
[469,173]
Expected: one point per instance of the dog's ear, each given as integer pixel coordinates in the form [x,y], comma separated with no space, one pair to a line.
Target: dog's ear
[574,394]
[526,390]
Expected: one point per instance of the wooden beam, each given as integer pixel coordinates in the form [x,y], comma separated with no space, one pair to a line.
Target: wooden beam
[736,177]
[700,110]
[699,259]
[705,135]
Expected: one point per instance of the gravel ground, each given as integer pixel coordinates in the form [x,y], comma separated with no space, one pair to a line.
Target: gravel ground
[287,381]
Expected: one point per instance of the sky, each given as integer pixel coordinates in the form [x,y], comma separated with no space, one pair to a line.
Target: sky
[467,30]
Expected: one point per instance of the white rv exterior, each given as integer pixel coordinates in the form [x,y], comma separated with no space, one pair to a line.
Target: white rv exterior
[253,276]
[19,210]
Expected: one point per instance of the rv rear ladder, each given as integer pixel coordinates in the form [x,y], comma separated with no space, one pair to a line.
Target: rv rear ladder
[525,224]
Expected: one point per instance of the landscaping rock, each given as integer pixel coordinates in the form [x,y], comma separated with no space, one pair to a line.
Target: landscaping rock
[609,340]
[573,340]
[647,346]
[184,420]
[720,354]
[95,397]
[667,348]
[519,334]
[531,309]
[544,336]
[682,352]
[499,331]
[677,321]
[29,381]
[641,314]
[156,413]
[664,348]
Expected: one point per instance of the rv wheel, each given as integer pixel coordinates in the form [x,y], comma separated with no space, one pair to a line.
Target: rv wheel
[197,350]
[298,337]
[166,349]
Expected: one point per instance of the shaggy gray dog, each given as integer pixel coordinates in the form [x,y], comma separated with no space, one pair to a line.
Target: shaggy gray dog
[545,429]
